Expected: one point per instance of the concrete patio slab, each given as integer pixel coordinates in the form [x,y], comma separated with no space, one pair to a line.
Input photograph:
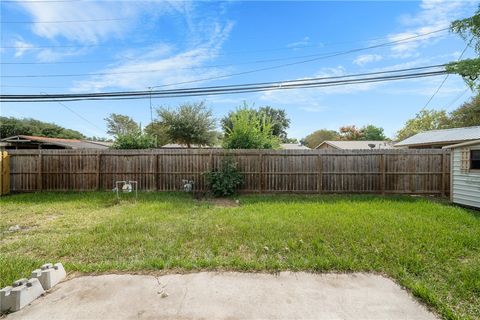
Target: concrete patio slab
[227,295]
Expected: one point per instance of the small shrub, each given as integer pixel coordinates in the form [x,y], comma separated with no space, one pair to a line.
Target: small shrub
[225,181]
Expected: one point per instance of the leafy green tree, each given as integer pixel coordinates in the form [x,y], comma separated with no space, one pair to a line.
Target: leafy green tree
[189,124]
[278,117]
[350,133]
[10,126]
[371,132]
[469,30]
[119,124]
[133,140]
[317,137]
[423,121]
[158,132]
[467,115]
[249,131]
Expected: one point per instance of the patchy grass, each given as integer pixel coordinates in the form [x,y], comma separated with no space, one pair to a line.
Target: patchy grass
[433,249]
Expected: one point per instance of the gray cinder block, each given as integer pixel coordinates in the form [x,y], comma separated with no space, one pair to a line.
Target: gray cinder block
[49,275]
[20,294]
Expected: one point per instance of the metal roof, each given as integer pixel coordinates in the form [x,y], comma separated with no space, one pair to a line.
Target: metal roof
[450,136]
[358,145]
[66,143]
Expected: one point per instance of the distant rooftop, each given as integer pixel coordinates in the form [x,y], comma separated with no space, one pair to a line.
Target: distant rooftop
[445,136]
[293,146]
[358,145]
[66,143]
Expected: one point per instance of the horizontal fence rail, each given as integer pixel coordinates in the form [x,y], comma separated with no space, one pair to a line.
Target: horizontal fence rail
[264,171]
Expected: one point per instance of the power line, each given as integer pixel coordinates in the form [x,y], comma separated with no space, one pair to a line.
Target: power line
[317,57]
[456,98]
[229,53]
[446,77]
[215,90]
[76,113]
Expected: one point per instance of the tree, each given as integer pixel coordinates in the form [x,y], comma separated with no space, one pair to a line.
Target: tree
[249,130]
[189,124]
[119,124]
[133,140]
[159,133]
[278,118]
[423,121]
[372,133]
[469,30]
[467,115]
[280,122]
[317,137]
[12,127]
[350,133]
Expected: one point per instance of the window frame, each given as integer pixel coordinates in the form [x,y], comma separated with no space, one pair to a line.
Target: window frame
[476,159]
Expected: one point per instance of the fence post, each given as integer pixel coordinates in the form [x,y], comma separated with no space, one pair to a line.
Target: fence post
[261,172]
[4,173]
[320,174]
[39,171]
[382,170]
[157,180]
[99,155]
[443,191]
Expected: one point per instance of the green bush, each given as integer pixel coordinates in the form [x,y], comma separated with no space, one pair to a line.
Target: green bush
[134,140]
[250,131]
[226,180]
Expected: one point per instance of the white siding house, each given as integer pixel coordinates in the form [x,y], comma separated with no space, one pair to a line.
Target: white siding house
[465,176]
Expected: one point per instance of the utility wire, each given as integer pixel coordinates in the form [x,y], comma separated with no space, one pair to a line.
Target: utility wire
[317,57]
[446,77]
[229,53]
[276,83]
[202,91]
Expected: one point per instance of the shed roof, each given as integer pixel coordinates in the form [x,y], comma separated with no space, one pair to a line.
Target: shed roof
[358,145]
[450,136]
[66,143]
[463,144]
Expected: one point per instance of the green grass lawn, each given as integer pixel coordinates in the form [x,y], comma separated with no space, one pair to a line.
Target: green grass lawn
[433,249]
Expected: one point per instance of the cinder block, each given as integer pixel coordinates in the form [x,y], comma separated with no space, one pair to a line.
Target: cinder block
[20,294]
[49,275]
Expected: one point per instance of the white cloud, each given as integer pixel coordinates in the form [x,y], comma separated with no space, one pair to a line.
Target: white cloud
[167,67]
[21,47]
[302,43]
[433,15]
[367,58]
[113,18]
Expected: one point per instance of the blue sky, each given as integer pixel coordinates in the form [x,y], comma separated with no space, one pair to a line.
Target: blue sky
[132,45]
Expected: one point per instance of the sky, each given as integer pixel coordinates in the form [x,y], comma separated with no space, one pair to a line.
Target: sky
[64,46]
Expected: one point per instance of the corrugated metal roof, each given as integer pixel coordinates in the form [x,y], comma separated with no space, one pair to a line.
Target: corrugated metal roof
[451,136]
[67,143]
[358,145]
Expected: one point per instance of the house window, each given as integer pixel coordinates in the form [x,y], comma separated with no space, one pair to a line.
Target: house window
[475,159]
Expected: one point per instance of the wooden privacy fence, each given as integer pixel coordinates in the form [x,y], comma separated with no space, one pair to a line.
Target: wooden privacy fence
[265,171]
[4,173]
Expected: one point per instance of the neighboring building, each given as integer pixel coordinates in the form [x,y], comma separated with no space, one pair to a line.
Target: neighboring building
[355,145]
[34,142]
[465,173]
[293,146]
[437,139]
